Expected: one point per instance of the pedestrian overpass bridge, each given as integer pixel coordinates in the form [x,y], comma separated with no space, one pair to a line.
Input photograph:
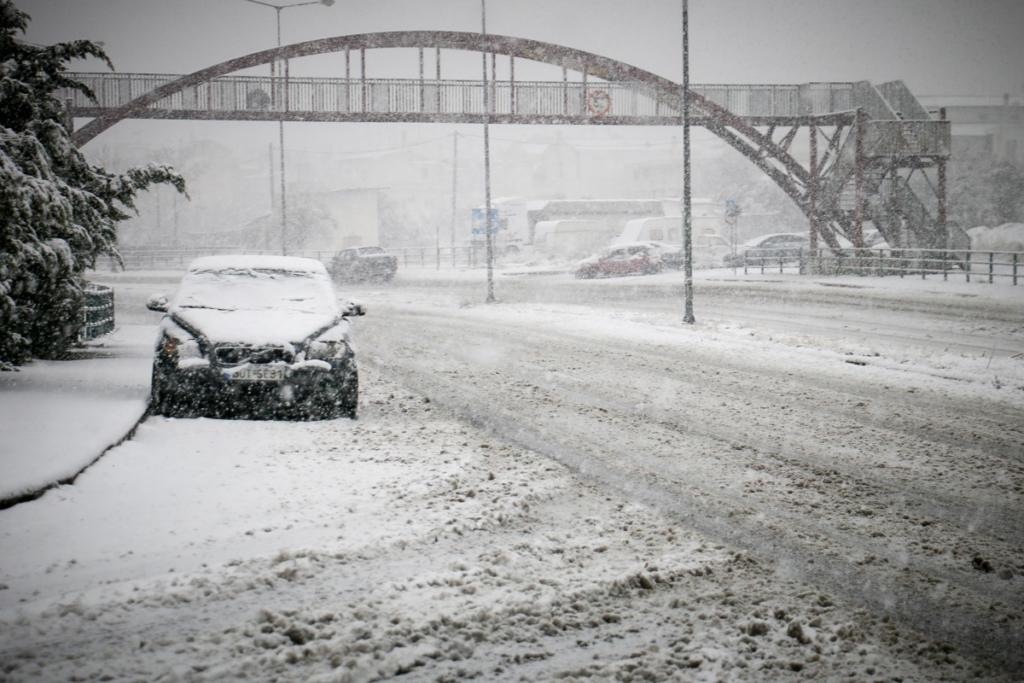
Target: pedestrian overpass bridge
[871,148]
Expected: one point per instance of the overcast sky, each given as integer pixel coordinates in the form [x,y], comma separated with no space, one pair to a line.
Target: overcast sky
[936,46]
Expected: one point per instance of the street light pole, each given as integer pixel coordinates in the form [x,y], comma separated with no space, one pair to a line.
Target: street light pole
[687,215]
[455,186]
[280,122]
[487,160]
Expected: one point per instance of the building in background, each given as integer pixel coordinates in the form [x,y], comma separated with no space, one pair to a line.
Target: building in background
[983,127]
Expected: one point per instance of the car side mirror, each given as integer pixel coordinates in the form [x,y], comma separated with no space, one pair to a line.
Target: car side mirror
[353,309]
[157,302]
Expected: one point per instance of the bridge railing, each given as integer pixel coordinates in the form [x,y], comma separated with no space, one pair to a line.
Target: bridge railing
[908,138]
[240,94]
[176,259]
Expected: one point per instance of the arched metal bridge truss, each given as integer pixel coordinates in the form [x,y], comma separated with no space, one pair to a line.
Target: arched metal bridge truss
[868,147]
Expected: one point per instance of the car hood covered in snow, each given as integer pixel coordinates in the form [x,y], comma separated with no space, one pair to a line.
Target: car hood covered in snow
[255,300]
[256,328]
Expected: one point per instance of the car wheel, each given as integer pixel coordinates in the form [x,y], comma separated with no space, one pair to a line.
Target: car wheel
[169,398]
[157,392]
[163,400]
[337,397]
[348,403]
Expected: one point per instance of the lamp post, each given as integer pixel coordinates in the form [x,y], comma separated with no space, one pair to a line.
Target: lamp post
[489,227]
[280,122]
[687,215]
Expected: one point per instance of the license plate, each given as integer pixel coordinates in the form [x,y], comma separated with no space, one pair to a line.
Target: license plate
[257,373]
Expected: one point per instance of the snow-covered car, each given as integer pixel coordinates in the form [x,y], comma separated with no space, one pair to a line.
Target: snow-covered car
[628,259]
[786,246]
[255,336]
[363,263]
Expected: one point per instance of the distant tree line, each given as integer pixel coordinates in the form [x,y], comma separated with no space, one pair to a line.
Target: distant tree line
[985,191]
[58,212]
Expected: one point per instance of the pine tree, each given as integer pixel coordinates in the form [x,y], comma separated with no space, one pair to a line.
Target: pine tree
[58,213]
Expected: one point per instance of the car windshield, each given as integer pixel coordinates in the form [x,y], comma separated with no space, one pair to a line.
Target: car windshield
[254,289]
[371,250]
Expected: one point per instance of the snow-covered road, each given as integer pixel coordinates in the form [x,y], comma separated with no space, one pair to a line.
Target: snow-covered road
[895,484]
[567,484]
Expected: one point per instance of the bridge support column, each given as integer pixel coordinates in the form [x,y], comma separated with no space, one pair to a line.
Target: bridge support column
[348,82]
[812,196]
[422,84]
[437,89]
[941,192]
[858,212]
[565,91]
[512,83]
[362,76]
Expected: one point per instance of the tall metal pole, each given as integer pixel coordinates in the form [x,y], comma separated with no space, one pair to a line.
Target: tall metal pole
[279,97]
[455,184]
[266,232]
[280,149]
[687,216]
[487,159]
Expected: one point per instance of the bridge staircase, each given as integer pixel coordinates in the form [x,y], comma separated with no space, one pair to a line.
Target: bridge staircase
[892,137]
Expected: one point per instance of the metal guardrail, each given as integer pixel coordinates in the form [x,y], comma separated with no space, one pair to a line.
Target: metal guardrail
[972,266]
[265,94]
[98,312]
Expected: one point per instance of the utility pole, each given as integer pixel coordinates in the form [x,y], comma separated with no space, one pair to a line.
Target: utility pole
[282,101]
[487,160]
[455,180]
[687,216]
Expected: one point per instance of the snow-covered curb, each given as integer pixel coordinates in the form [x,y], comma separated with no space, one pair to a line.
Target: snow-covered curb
[58,417]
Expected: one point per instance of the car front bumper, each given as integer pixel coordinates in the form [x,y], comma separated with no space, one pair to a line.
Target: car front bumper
[305,388]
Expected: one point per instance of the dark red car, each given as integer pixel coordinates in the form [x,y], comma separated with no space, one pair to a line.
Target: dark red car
[627,259]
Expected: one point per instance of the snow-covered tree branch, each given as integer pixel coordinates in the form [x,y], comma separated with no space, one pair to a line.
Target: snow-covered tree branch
[58,212]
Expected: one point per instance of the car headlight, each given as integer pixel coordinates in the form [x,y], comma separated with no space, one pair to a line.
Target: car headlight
[326,349]
[179,348]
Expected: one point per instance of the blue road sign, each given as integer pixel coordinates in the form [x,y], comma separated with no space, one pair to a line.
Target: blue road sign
[479,226]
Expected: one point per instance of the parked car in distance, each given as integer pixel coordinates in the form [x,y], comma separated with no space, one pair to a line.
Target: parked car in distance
[707,251]
[628,259]
[785,246]
[254,336]
[874,239]
[360,264]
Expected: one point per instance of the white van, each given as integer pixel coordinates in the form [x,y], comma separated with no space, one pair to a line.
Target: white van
[570,238]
